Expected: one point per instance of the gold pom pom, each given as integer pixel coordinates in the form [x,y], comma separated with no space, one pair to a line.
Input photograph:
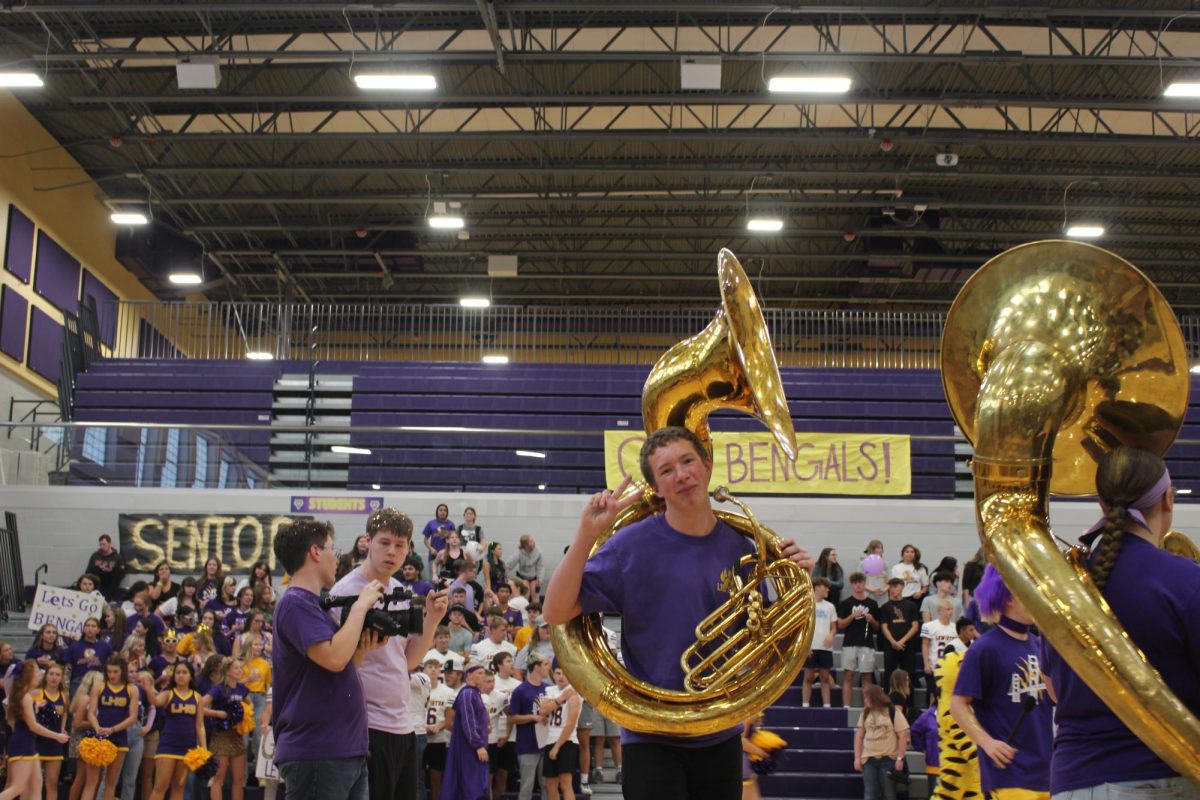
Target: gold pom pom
[97,752]
[767,740]
[196,758]
[247,723]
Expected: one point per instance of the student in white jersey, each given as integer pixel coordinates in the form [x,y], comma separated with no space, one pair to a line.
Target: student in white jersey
[936,636]
[820,659]
[560,756]
[439,721]
[421,683]
[495,642]
[502,750]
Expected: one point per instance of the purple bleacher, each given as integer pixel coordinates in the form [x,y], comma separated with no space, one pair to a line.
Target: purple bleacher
[573,403]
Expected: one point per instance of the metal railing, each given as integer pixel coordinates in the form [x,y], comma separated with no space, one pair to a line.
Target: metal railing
[526,334]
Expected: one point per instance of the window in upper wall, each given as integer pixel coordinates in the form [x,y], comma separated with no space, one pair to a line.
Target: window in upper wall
[223,474]
[141,456]
[95,444]
[201,463]
[171,460]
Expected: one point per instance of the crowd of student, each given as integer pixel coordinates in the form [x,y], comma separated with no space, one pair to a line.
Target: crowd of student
[203,643]
[353,704]
[221,629]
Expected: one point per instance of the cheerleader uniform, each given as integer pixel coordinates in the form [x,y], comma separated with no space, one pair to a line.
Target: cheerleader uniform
[113,710]
[179,725]
[48,749]
[225,740]
[22,742]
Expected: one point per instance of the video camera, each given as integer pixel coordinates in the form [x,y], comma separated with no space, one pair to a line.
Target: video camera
[401,622]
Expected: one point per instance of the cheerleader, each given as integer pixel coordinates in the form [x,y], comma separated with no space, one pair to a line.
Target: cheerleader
[183,728]
[51,706]
[25,774]
[113,708]
[225,704]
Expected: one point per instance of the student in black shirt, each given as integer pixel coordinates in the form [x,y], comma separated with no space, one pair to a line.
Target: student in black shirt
[858,619]
[900,624]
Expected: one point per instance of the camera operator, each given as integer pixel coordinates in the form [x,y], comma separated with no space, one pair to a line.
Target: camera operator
[385,672]
[320,719]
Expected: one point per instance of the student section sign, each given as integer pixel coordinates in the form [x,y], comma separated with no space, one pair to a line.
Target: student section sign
[752,463]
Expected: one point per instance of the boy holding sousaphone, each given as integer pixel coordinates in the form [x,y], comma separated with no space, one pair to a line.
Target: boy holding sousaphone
[675,557]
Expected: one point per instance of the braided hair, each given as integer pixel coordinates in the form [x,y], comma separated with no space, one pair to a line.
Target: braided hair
[1123,476]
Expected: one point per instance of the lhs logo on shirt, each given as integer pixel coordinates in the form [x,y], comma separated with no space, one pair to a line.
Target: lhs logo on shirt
[1027,680]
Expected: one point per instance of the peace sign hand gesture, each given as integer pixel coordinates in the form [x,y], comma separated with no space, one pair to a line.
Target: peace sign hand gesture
[604,507]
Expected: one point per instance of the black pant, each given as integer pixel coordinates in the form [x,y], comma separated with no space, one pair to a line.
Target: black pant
[671,772]
[894,659]
[392,765]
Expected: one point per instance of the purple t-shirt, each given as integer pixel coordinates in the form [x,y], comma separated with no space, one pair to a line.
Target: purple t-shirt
[84,656]
[419,588]
[524,700]
[628,576]
[311,703]
[997,673]
[1156,596]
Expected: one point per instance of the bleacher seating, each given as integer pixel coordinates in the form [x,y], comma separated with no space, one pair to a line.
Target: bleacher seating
[570,405]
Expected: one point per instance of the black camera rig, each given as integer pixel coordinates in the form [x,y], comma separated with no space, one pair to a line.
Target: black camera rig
[401,622]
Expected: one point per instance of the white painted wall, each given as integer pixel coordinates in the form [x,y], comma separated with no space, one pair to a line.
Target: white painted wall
[59,525]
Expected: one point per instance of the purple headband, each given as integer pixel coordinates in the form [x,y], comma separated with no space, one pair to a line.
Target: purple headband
[1147,500]
[472,668]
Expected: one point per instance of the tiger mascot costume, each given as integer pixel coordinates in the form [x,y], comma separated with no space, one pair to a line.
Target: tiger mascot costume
[958,778]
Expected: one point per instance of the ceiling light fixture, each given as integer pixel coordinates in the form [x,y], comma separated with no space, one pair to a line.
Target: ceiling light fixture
[375,486]
[185,278]
[541,487]
[1085,231]
[260,355]
[350,451]
[20,80]
[399,81]
[531,454]
[809,84]
[764,224]
[445,222]
[1180,89]
[129,218]
[495,359]
[474,302]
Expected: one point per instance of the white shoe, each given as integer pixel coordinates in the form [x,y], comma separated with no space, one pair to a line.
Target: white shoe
[585,788]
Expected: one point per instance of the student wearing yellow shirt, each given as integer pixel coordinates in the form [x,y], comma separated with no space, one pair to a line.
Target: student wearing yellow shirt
[258,680]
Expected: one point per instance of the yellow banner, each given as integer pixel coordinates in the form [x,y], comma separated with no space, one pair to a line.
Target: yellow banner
[751,463]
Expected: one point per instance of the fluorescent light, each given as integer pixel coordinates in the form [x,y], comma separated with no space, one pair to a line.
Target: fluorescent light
[375,486]
[350,451]
[1178,89]
[445,222]
[260,355]
[474,302]
[765,224]
[1183,491]
[129,218]
[809,84]
[1085,231]
[541,487]
[20,80]
[531,454]
[495,359]
[412,82]
[185,278]
[1195,370]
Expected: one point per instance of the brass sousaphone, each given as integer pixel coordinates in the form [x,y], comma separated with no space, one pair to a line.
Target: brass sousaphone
[1054,353]
[746,653]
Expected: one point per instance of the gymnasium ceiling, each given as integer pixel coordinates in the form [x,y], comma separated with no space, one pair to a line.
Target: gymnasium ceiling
[563,131]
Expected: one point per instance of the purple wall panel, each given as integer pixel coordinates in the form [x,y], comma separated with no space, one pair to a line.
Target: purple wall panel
[14,310]
[57,276]
[18,250]
[106,306]
[45,345]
